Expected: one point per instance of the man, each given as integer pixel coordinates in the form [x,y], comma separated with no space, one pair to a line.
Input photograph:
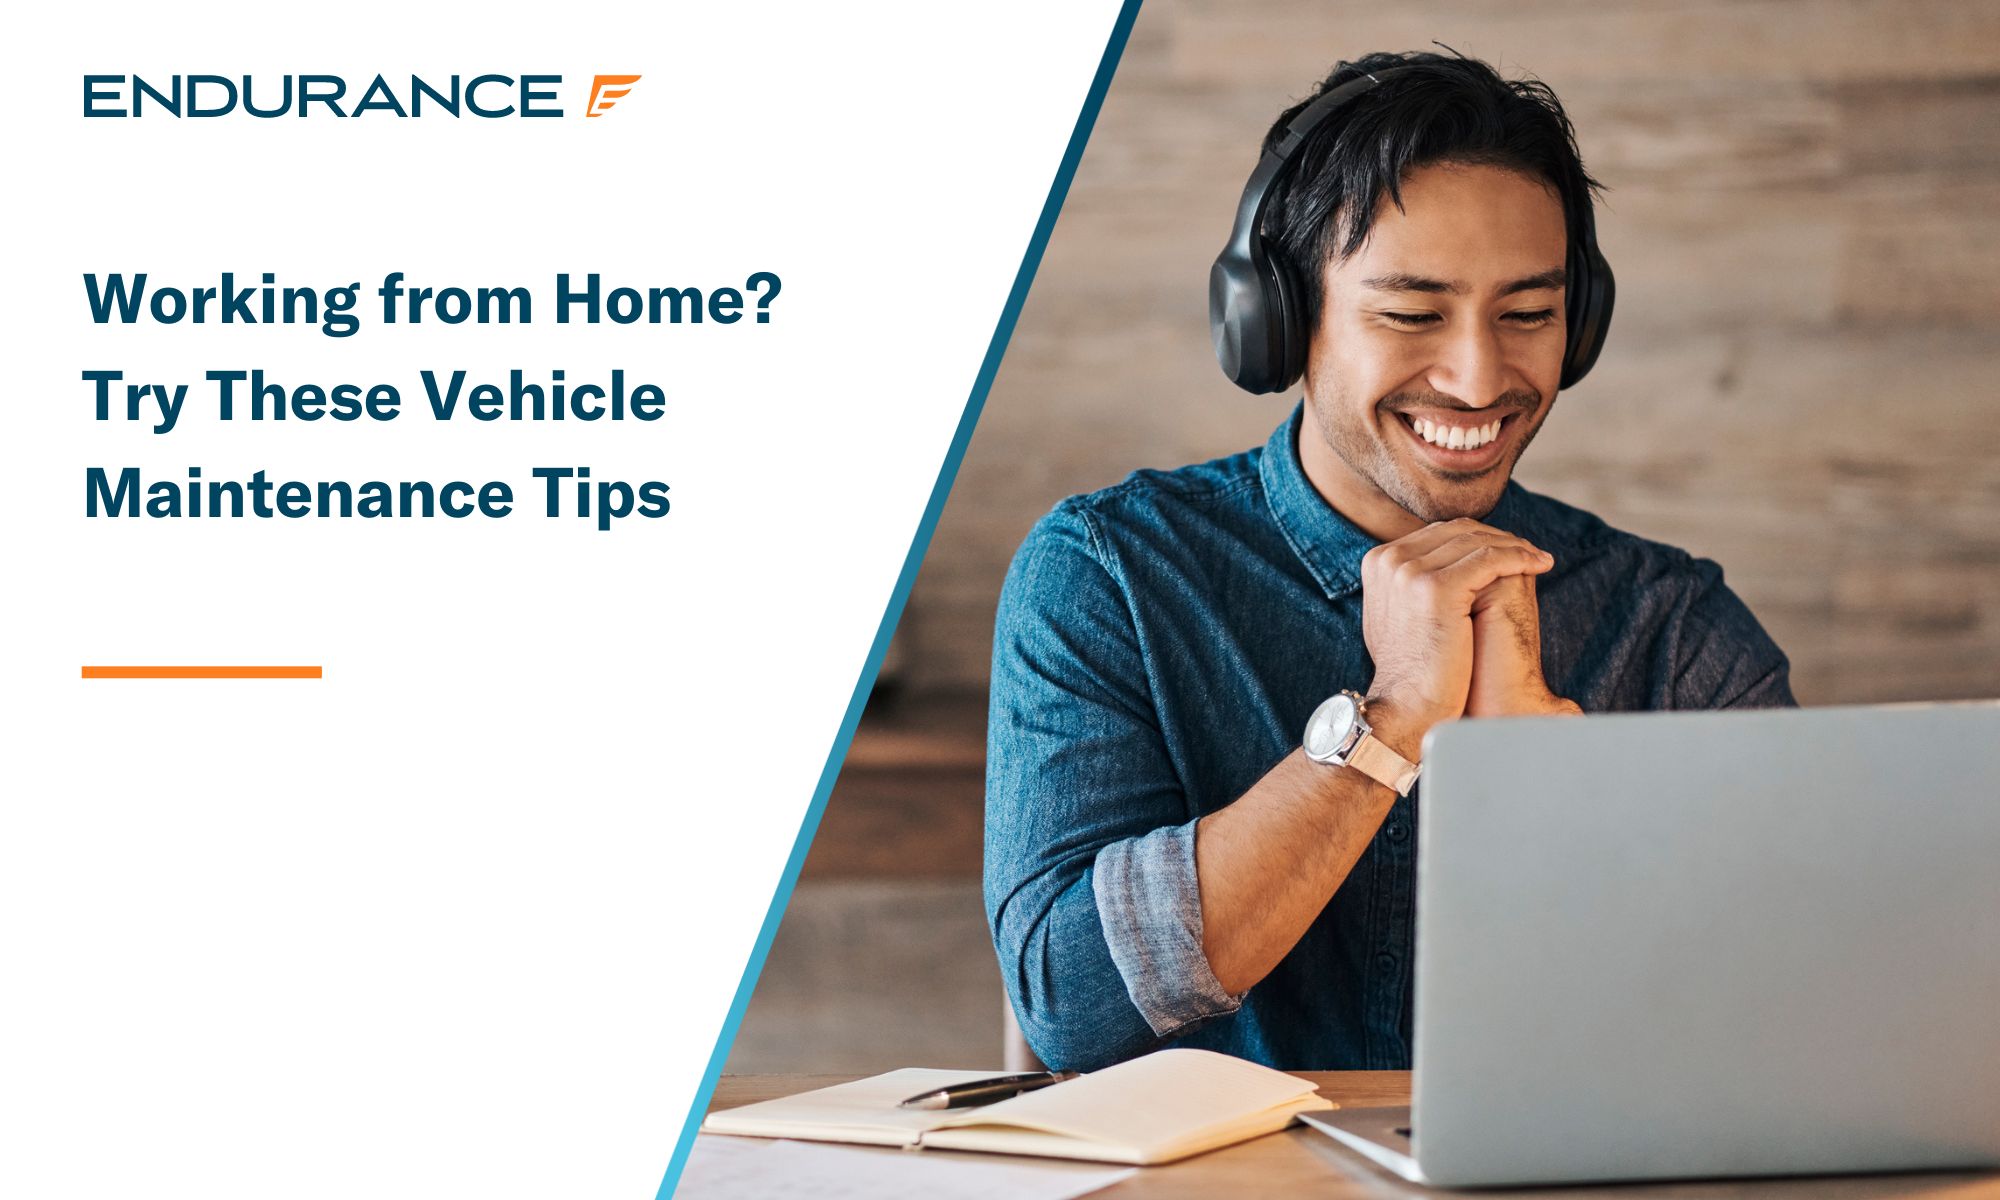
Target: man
[1151,876]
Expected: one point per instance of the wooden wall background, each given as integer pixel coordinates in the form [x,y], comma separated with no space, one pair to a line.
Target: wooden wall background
[1801,383]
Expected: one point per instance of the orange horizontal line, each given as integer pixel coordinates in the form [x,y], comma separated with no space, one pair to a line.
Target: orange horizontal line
[201,672]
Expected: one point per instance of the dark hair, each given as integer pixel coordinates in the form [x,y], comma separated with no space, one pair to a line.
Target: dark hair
[1441,108]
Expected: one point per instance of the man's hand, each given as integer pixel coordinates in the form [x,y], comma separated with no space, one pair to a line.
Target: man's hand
[1448,614]
[1507,654]
[1417,602]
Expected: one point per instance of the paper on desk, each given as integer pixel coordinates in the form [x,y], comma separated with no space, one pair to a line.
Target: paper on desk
[730,1168]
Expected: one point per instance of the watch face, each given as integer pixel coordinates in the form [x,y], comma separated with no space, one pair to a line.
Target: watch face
[1330,726]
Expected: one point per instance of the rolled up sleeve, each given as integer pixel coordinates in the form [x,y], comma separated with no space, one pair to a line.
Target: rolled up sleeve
[1149,902]
[1090,888]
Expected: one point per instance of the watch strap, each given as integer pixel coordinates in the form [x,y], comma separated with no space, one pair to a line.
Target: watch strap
[1377,761]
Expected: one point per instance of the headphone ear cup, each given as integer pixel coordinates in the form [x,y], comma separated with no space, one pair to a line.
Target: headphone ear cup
[1576,305]
[1589,303]
[1240,319]
[1289,337]
[1253,317]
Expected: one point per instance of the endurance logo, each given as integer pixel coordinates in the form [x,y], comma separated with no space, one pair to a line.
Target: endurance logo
[605,91]
[199,96]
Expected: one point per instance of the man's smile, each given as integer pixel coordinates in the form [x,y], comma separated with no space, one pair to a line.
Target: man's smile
[1461,441]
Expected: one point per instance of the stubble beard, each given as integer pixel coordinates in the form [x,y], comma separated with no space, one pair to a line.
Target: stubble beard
[1360,446]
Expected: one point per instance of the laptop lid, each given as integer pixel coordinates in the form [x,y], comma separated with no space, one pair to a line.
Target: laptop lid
[1705,944]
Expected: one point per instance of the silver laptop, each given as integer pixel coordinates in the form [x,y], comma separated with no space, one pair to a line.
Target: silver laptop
[1703,944]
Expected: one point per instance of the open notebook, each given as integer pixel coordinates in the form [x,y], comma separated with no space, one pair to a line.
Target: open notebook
[1154,1109]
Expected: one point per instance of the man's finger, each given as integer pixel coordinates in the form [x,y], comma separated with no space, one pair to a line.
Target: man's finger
[1485,563]
[1412,546]
[1465,542]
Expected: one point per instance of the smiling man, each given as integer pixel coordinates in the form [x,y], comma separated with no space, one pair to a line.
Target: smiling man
[1211,685]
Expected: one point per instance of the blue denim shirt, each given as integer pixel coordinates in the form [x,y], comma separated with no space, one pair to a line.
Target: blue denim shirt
[1159,647]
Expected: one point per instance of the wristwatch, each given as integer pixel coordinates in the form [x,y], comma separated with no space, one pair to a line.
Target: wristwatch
[1339,735]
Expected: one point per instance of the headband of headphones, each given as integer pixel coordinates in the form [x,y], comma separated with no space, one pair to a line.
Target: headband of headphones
[1256,305]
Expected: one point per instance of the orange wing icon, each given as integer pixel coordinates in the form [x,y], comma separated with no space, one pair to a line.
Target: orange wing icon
[605,90]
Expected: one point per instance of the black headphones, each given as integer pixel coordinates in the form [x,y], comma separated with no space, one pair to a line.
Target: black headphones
[1256,306]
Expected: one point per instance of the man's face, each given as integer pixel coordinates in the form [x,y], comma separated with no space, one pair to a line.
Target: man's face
[1450,316]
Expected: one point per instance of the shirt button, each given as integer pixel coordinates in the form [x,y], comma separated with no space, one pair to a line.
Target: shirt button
[1398,831]
[1385,961]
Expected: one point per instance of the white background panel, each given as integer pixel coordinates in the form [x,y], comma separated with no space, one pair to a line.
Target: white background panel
[464,917]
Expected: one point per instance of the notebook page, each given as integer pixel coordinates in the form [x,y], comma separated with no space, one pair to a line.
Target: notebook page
[1149,1102]
[864,1110]
[1013,1139]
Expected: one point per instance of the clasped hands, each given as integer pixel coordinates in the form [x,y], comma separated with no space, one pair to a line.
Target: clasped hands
[1450,618]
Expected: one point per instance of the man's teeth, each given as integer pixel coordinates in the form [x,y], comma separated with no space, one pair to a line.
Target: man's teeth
[1452,437]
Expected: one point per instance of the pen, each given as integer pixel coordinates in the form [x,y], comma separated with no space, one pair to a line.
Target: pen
[986,1091]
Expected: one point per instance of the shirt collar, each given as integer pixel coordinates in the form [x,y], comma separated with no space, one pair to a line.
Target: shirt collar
[1330,545]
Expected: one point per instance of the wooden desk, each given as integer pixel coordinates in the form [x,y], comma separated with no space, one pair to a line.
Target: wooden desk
[1304,1162]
